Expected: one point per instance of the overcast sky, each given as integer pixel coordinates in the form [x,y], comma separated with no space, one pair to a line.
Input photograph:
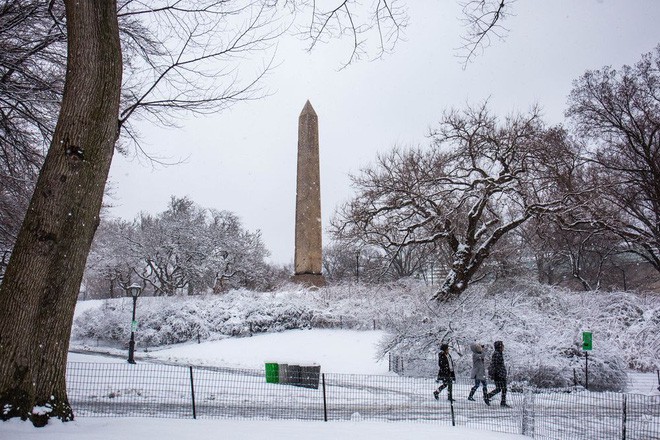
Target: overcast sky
[244,159]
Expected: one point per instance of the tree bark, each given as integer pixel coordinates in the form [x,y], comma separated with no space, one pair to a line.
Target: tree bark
[41,285]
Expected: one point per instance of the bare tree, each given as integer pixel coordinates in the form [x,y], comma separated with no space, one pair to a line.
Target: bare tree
[479,180]
[357,261]
[589,259]
[39,292]
[482,20]
[32,65]
[375,262]
[619,112]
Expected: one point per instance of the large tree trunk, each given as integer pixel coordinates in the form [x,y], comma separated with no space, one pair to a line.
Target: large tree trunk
[41,285]
[459,276]
[467,260]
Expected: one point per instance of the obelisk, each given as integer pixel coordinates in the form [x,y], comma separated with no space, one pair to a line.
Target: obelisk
[308,258]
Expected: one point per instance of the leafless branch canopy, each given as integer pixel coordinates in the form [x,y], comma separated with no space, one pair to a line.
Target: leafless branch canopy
[483,22]
[376,28]
[618,112]
[481,179]
[32,66]
[194,56]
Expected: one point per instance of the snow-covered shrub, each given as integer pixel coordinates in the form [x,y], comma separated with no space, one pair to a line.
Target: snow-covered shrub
[88,324]
[543,376]
[325,320]
[109,317]
[621,309]
[287,316]
[643,354]
[234,326]
[541,325]
[171,324]
[606,373]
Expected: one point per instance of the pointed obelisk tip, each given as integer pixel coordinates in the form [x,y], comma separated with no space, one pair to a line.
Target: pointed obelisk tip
[308,109]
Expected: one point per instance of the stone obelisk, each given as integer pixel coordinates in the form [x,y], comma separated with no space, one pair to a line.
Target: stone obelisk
[308,259]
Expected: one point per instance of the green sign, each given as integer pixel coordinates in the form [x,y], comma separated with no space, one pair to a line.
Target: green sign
[586,341]
[133,326]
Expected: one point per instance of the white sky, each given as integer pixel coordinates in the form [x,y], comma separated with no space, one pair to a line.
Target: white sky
[244,160]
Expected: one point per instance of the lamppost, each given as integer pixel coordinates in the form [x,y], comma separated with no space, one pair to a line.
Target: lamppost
[134,290]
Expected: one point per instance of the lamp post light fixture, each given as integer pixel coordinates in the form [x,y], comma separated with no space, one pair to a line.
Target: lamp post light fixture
[134,290]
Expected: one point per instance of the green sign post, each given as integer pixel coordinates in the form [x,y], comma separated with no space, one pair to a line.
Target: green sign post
[586,346]
[586,341]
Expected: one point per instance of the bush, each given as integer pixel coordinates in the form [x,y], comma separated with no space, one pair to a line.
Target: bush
[544,376]
[540,325]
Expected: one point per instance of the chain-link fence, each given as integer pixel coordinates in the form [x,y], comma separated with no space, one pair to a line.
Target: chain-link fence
[155,390]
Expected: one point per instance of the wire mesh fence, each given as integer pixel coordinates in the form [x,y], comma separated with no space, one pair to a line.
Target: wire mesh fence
[156,390]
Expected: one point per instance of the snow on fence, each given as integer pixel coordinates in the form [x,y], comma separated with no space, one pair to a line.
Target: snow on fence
[157,390]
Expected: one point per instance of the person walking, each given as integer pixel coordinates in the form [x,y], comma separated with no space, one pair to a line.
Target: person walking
[478,372]
[445,372]
[497,372]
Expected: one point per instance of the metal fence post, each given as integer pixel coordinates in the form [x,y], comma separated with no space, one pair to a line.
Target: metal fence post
[625,416]
[451,405]
[325,403]
[528,413]
[586,370]
[192,392]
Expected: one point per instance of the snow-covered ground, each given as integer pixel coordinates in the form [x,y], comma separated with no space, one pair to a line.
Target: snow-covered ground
[336,351]
[170,429]
[339,351]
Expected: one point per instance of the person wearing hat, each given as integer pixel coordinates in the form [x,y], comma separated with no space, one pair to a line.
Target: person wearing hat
[497,372]
[445,373]
[478,372]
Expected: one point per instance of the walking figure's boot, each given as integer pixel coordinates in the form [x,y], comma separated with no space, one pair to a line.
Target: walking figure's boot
[471,396]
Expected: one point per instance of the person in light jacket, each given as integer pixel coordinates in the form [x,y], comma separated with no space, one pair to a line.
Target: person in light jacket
[445,372]
[497,372]
[478,372]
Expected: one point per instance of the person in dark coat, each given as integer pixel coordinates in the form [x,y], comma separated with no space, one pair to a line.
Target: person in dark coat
[478,372]
[497,372]
[445,372]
